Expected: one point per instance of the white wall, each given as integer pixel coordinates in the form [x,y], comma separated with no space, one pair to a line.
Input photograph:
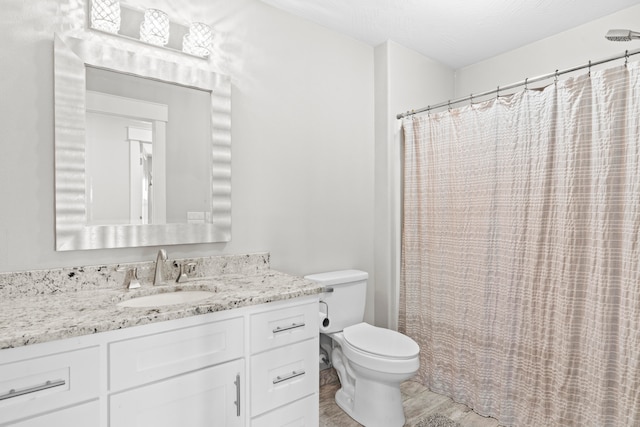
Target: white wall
[303,137]
[404,80]
[563,51]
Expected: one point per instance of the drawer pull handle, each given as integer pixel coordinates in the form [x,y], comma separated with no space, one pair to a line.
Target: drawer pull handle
[15,393]
[288,328]
[293,374]
[237,402]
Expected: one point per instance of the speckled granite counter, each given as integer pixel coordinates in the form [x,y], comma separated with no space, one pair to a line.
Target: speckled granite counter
[29,317]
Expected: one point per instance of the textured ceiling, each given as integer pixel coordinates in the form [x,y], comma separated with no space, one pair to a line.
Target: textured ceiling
[453,32]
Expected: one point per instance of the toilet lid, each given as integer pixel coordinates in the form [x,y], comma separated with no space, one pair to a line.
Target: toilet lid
[380,341]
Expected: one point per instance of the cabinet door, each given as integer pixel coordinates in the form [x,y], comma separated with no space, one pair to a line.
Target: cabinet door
[84,415]
[208,397]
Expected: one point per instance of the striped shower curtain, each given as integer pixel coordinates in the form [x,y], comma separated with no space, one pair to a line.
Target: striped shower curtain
[521,252]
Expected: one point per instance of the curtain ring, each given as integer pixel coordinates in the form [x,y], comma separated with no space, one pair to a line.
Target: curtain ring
[428,110]
[449,103]
[498,92]
[526,83]
[626,57]
[555,81]
[471,98]
[589,68]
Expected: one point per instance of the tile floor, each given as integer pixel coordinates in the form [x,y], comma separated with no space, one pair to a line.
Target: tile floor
[419,402]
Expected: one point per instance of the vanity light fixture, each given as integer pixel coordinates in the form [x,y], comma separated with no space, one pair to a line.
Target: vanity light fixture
[155,27]
[151,26]
[198,40]
[105,15]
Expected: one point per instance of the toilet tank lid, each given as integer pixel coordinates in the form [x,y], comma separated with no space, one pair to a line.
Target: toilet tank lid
[337,277]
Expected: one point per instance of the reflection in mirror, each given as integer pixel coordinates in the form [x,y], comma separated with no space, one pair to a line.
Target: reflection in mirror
[142,149]
[180,123]
[119,161]
[179,118]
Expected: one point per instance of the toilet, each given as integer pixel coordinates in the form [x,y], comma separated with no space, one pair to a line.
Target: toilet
[371,362]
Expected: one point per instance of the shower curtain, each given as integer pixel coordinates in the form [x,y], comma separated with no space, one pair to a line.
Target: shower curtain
[520,271]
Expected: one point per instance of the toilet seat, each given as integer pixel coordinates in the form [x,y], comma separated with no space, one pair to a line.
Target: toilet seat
[403,359]
[380,342]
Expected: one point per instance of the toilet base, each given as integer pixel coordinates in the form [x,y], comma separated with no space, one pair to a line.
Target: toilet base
[374,404]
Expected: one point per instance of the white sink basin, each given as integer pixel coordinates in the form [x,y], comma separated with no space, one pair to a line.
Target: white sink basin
[167,298]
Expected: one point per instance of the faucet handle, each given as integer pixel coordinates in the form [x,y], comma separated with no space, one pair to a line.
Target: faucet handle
[185,269]
[130,277]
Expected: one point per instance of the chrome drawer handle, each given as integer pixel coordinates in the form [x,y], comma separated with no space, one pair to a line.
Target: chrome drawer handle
[293,374]
[237,402]
[15,393]
[288,328]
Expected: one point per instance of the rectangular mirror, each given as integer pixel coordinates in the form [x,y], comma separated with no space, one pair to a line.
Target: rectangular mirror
[142,149]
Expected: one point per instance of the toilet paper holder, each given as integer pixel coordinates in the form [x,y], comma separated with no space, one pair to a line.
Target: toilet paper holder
[324,316]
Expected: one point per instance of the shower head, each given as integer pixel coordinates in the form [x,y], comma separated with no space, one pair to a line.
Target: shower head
[621,35]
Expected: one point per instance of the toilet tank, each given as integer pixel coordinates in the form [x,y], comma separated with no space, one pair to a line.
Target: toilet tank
[342,303]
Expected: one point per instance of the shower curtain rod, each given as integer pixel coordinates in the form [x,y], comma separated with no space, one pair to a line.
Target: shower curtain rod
[524,82]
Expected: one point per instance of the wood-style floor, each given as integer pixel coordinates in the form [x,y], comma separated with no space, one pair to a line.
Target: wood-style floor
[418,403]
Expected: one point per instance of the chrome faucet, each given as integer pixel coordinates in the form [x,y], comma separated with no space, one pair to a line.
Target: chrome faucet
[158,276]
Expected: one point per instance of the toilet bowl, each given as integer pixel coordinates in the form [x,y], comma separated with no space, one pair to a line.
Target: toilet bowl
[373,367]
[371,362]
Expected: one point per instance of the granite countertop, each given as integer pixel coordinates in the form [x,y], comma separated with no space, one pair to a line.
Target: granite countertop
[35,319]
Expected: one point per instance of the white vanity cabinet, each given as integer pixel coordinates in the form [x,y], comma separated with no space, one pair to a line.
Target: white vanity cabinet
[251,366]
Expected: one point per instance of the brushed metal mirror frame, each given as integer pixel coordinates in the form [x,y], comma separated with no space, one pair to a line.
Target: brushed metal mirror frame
[71,55]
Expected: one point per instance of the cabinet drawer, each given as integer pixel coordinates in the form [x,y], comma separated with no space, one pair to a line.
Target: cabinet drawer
[84,415]
[283,375]
[149,358]
[283,326]
[302,413]
[205,398]
[46,383]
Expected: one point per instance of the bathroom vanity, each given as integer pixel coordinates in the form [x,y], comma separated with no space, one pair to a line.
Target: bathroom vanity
[248,356]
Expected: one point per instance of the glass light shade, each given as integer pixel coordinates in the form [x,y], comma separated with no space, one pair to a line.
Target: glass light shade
[198,40]
[155,28]
[105,15]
